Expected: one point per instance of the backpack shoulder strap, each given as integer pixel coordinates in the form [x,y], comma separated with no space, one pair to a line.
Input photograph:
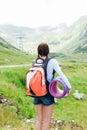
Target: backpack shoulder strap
[41,62]
[45,62]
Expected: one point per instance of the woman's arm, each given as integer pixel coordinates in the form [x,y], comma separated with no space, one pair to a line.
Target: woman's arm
[60,73]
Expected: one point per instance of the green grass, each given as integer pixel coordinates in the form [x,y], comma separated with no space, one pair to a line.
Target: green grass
[70,108]
[12,86]
[11,56]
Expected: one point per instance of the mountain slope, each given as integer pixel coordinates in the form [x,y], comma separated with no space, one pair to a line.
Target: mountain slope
[4,43]
[10,55]
[27,39]
[74,40]
[62,39]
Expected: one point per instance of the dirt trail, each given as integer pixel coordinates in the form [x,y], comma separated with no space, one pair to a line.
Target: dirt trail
[14,66]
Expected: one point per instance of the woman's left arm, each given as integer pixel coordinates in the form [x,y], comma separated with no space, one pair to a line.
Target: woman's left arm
[62,75]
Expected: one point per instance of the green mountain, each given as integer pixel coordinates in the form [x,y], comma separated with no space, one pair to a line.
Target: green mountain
[10,55]
[63,40]
[27,39]
[74,40]
[4,43]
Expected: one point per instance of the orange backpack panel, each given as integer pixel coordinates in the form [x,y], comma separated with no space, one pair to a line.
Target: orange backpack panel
[36,82]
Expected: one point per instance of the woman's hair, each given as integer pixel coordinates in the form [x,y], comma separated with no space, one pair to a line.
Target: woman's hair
[43,49]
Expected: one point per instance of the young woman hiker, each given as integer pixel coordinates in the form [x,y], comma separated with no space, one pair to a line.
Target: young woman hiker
[44,105]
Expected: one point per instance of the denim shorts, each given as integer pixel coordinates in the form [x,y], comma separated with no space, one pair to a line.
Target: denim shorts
[45,100]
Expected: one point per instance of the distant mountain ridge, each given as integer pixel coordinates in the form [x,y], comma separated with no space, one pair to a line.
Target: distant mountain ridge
[62,39]
[5,44]
[75,38]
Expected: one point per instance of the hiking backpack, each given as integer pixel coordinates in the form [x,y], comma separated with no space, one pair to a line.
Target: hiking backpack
[36,78]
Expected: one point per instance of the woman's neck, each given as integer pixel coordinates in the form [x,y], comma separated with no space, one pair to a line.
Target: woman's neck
[42,57]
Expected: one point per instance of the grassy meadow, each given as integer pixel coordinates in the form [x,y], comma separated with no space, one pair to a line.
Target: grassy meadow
[12,87]
[13,56]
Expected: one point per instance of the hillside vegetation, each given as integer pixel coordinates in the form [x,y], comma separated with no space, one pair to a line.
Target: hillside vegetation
[10,55]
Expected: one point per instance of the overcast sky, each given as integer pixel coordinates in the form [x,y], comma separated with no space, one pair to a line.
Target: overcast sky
[34,13]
